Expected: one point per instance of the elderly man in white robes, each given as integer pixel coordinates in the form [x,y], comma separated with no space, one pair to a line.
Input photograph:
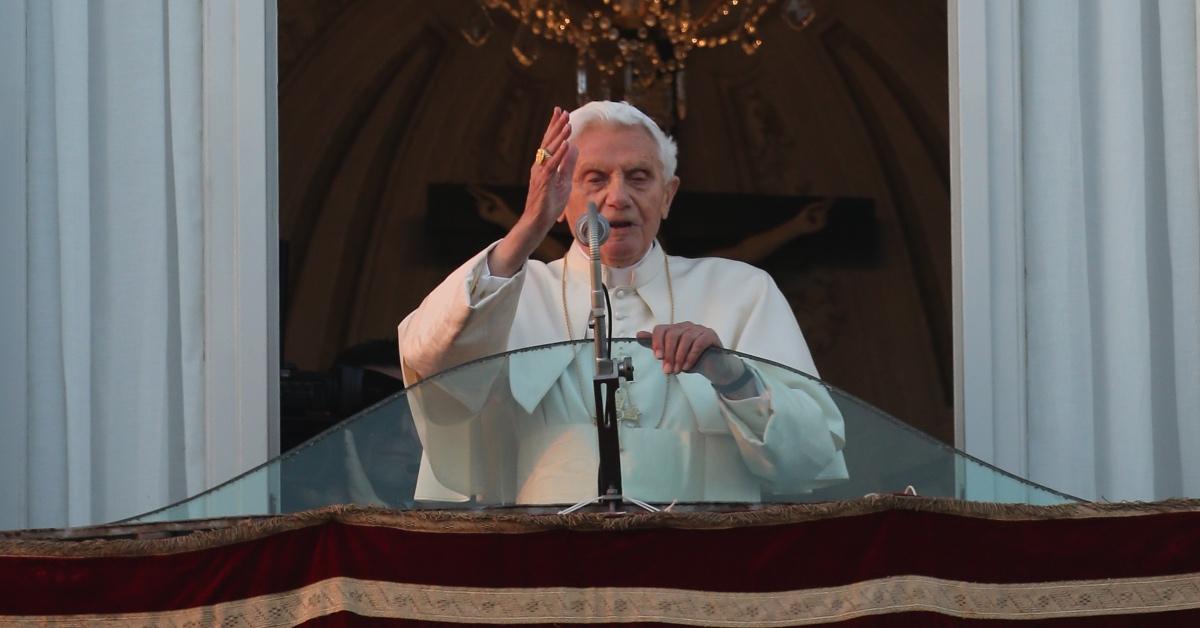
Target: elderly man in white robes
[696,426]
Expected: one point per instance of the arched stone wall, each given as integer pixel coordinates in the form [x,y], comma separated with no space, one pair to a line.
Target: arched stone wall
[379,99]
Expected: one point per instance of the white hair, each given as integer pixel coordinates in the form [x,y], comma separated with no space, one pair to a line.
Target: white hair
[625,114]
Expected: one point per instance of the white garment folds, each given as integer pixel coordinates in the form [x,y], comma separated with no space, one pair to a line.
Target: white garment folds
[530,438]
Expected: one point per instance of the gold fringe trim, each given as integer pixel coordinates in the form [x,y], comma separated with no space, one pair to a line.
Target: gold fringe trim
[206,534]
[897,594]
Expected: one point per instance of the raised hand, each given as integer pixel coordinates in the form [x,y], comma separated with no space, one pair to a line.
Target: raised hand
[550,174]
[549,188]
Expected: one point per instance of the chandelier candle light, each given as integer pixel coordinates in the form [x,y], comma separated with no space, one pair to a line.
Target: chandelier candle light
[635,45]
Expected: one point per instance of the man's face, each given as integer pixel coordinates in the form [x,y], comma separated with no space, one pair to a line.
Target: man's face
[619,170]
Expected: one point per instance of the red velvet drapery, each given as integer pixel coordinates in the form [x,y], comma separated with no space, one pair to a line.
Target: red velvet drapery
[879,562]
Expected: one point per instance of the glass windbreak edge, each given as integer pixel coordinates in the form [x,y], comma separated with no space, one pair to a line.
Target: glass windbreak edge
[840,393]
[903,425]
[351,420]
[298,450]
[291,453]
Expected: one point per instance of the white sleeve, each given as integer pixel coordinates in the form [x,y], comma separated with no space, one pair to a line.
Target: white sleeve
[464,318]
[754,411]
[793,434]
[487,284]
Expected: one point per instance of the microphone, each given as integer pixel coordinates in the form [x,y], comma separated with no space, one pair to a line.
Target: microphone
[583,229]
[592,229]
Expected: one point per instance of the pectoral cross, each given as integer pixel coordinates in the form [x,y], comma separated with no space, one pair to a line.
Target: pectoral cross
[626,410]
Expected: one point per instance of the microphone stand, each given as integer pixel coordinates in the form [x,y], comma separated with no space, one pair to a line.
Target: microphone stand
[606,381]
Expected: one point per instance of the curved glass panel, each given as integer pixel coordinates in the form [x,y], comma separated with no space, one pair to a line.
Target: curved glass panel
[517,429]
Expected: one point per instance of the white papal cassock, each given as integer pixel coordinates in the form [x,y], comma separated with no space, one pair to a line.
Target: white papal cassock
[521,430]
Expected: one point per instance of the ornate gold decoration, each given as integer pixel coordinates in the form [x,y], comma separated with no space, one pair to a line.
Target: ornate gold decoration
[632,45]
[145,539]
[557,605]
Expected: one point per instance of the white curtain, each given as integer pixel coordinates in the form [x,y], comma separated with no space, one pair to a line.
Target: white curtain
[1080,235]
[104,269]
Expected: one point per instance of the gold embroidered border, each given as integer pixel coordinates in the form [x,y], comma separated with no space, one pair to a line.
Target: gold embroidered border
[206,534]
[897,594]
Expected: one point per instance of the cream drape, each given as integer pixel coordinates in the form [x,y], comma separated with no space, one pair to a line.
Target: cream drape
[106,273]
[1078,191]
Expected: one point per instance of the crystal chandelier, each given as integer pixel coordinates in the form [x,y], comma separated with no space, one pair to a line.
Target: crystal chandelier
[633,49]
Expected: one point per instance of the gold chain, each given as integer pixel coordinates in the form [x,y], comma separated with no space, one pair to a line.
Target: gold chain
[626,410]
[567,313]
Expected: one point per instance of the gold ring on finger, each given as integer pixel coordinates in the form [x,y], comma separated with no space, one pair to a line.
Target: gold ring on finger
[541,156]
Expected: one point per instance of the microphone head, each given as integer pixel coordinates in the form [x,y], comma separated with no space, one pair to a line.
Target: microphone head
[583,230]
